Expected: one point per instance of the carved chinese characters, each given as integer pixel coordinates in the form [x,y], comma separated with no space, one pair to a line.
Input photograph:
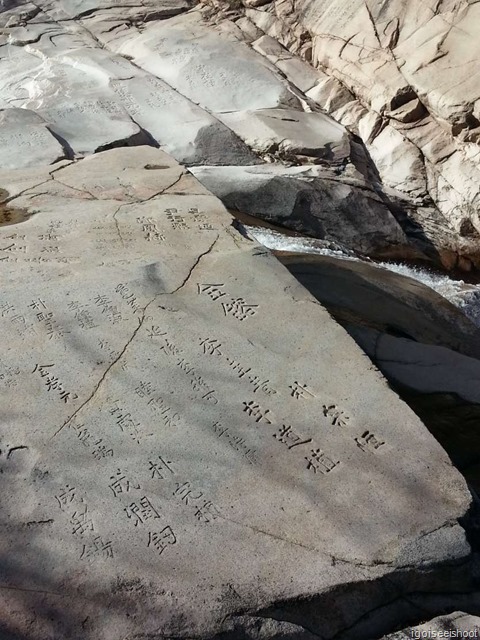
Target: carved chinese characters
[186,434]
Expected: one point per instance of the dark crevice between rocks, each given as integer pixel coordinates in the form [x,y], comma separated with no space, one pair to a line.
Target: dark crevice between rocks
[10,215]
[69,153]
[161,14]
[139,139]
[145,135]
[403,96]
[142,137]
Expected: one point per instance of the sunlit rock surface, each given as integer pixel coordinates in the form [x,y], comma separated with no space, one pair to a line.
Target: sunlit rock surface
[218,90]
[401,75]
[191,446]
[175,463]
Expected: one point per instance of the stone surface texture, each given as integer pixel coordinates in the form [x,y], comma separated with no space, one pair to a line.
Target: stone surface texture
[193,447]
[176,466]
[26,140]
[310,200]
[400,75]
[277,83]
[423,343]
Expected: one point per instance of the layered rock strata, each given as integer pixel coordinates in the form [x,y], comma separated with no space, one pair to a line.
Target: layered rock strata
[218,86]
[402,77]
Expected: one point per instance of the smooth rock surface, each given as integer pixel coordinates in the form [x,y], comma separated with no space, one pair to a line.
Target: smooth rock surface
[211,70]
[298,72]
[387,301]
[309,199]
[91,125]
[289,131]
[174,465]
[422,367]
[25,140]
[210,87]
[183,129]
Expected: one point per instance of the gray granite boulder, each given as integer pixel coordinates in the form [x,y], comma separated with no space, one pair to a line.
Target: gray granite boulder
[390,302]
[424,368]
[310,199]
[291,132]
[183,129]
[175,464]
[25,140]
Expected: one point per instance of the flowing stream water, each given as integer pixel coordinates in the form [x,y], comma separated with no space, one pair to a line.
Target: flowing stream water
[462,293]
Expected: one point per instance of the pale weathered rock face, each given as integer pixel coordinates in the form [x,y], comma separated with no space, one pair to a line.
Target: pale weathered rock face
[217,92]
[93,99]
[25,140]
[291,132]
[191,446]
[402,76]
[422,367]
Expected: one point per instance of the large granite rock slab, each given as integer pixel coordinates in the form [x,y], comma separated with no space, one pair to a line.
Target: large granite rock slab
[93,99]
[298,72]
[210,69]
[93,124]
[291,132]
[332,205]
[25,140]
[72,96]
[190,134]
[176,464]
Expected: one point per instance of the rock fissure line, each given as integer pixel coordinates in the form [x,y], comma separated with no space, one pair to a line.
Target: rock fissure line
[106,372]
[130,340]
[117,225]
[195,265]
[272,535]
[92,197]
[25,192]
[128,204]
